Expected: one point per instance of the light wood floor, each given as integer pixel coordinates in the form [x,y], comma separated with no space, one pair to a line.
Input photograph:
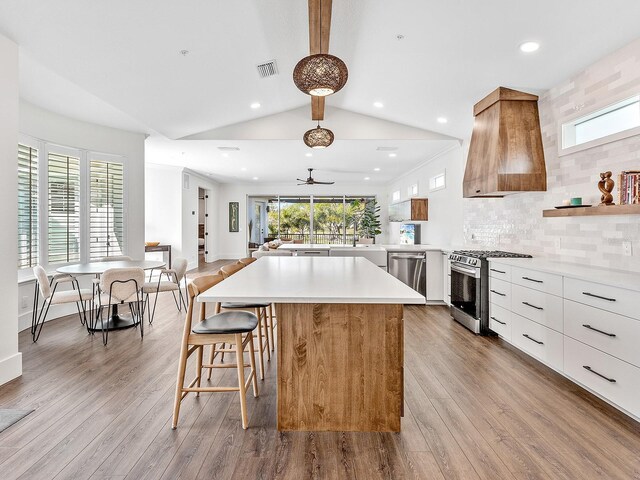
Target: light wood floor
[475,408]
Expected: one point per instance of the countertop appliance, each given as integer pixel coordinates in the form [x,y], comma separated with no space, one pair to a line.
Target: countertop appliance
[410,268]
[470,287]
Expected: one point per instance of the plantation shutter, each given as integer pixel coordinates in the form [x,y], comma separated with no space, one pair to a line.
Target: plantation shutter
[63,208]
[27,206]
[106,220]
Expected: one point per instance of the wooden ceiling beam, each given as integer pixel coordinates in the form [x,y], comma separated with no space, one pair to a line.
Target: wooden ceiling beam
[319,31]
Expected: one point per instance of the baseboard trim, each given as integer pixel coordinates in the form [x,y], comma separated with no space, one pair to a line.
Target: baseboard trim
[10,368]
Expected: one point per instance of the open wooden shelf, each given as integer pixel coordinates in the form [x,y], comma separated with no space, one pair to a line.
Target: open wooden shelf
[596,210]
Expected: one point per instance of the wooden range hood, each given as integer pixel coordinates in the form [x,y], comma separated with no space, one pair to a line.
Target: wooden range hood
[505,154]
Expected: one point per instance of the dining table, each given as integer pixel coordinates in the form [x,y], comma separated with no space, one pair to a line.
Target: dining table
[116,321]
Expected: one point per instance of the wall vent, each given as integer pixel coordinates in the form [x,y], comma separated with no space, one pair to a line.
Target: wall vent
[229,149]
[386,149]
[267,69]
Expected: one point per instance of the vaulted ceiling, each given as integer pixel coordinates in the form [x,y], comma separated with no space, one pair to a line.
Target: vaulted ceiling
[119,62]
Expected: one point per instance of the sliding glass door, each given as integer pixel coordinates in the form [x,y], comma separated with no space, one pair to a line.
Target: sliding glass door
[309,219]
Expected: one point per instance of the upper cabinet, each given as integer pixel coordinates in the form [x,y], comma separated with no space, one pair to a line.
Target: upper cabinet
[415,209]
[505,154]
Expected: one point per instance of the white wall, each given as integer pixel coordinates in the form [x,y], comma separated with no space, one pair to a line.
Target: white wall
[234,245]
[172,211]
[53,128]
[10,358]
[445,225]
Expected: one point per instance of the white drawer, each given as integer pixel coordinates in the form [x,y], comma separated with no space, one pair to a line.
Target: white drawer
[537,340]
[499,270]
[545,282]
[610,377]
[500,293]
[500,321]
[613,299]
[538,306]
[612,333]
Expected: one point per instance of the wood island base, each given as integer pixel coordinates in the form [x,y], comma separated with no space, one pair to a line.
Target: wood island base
[340,367]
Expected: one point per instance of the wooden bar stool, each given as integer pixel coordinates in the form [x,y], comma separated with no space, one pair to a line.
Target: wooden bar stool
[260,311]
[270,314]
[232,328]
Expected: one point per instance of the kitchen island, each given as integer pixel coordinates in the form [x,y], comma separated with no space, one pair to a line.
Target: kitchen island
[340,339]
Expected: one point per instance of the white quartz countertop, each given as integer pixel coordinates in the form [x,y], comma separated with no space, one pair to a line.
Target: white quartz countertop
[303,246]
[414,248]
[618,278]
[312,280]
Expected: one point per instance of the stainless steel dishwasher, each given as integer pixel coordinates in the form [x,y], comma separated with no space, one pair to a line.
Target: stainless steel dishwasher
[409,268]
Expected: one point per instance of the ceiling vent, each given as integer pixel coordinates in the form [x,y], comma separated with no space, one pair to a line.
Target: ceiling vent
[229,149]
[386,149]
[267,69]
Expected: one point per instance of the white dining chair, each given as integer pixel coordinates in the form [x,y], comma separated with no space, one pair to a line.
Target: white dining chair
[50,294]
[175,277]
[119,286]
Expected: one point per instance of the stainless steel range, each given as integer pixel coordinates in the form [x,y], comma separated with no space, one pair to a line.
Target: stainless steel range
[470,287]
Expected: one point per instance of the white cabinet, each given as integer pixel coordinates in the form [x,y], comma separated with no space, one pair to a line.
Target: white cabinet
[446,277]
[435,285]
[541,307]
[588,331]
[609,377]
[537,340]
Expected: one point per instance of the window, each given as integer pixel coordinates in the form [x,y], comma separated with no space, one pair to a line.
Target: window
[315,219]
[412,190]
[27,206]
[395,196]
[64,208]
[106,217]
[437,182]
[616,121]
[70,205]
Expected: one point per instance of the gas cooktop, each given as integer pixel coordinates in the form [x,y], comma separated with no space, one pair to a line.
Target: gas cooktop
[489,254]
[474,257]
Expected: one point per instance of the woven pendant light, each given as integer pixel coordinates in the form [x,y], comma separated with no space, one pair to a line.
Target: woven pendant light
[320,74]
[318,137]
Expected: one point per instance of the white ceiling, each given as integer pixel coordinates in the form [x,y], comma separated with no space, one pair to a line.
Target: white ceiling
[118,62]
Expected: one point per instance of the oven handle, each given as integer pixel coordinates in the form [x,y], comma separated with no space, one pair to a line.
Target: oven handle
[474,272]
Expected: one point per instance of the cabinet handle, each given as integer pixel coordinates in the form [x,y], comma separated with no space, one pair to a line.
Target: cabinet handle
[599,331]
[498,293]
[497,271]
[532,306]
[532,280]
[587,367]
[494,318]
[532,339]
[599,296]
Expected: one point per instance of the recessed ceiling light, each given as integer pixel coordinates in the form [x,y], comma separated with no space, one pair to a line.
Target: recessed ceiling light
[442,120]
[377,169]
[308,154]
[225,155]
[255,178]
[378,104]
[255,105]
[392,155]
[244,169]
[528,47]
[367,178]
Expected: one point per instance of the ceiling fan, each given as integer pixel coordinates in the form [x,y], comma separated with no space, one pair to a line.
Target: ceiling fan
[311,181]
